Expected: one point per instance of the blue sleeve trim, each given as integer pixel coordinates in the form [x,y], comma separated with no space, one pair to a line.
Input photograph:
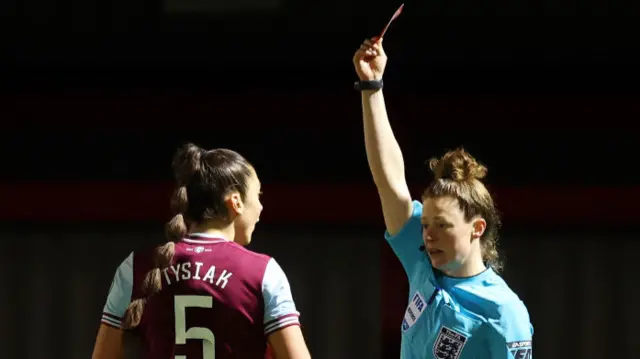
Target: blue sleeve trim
[119,295]
[280,309]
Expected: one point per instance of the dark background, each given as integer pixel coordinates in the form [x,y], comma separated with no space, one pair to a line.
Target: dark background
[98,94]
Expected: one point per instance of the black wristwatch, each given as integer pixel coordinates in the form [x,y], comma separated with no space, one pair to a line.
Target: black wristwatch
[368,85]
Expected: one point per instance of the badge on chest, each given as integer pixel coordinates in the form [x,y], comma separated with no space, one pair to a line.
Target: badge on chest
[449,344]
[414,310]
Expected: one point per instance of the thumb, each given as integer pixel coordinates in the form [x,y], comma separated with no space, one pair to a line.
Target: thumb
[359,55]
[379,48]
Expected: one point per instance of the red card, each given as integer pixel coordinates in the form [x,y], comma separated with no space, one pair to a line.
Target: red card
[397,13]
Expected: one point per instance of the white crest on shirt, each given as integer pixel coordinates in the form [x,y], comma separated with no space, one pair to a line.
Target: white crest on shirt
[449,344]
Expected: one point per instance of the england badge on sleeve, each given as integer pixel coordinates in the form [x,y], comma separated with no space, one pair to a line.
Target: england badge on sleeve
[449,344]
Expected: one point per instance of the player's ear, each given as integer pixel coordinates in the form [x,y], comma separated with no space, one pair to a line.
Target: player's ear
[479,225]
[234,203]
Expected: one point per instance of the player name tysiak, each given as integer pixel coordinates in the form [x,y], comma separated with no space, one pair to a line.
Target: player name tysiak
[193,271]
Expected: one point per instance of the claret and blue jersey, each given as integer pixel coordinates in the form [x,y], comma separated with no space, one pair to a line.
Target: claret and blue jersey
[457,318]
[218,300]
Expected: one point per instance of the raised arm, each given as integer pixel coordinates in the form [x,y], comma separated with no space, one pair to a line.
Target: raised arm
[383,152]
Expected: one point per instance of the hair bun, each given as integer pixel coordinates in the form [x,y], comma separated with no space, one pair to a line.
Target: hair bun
[186,162]
[457,165]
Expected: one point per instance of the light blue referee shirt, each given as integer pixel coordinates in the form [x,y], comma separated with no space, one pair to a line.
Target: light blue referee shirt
[478,317]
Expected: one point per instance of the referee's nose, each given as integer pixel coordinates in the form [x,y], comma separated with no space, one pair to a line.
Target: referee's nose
[426,235]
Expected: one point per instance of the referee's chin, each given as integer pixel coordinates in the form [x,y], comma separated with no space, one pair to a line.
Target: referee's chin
[440,263]
[438,260]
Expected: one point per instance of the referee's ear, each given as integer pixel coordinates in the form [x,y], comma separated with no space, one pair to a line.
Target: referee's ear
[479,226]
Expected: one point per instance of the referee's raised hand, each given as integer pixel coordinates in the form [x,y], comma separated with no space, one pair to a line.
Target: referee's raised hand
[370,60]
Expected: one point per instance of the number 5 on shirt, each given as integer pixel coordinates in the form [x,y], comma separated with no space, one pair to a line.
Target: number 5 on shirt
[181,303]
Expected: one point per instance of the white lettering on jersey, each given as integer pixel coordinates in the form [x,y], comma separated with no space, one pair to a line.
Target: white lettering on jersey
[223,278]
[210,274]
[197,275]
[191,271]
[186,274]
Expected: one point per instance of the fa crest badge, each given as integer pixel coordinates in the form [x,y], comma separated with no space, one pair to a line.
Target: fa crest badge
[449,344]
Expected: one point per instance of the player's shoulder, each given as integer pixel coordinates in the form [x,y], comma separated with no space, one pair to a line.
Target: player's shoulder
[268,271]
[242,259]
[247,253]
[143,256]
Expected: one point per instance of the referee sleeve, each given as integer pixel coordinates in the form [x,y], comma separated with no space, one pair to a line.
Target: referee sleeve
[407,243]
[512,333]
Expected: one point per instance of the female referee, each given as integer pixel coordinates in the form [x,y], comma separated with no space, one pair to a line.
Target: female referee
[458,307]
[202,295]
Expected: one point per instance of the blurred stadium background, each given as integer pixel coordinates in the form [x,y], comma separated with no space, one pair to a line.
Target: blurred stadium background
[98,94]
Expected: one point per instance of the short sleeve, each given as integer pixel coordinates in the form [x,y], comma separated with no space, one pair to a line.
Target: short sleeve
[119,295]
[279,309]
[406,243]
[512,333]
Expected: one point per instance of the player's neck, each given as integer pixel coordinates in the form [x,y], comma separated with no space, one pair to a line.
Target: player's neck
[213,230]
